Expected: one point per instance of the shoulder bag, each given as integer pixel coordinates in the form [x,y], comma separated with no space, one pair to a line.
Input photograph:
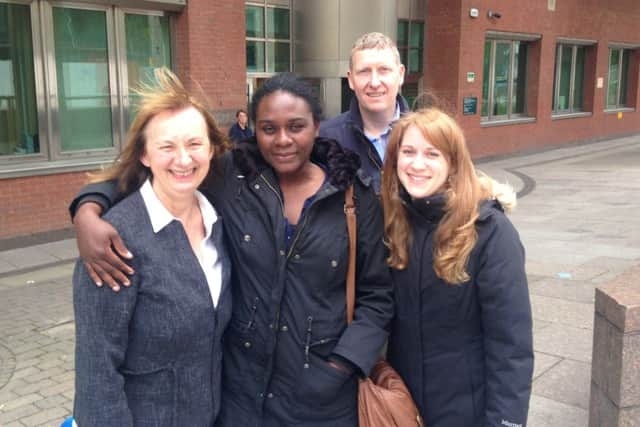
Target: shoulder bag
[383,398]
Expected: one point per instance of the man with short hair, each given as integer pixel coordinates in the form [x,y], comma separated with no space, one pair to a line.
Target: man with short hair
[375,75]
[240,130]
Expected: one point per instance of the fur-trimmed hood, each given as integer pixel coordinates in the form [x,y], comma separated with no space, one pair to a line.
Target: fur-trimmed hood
[340,164]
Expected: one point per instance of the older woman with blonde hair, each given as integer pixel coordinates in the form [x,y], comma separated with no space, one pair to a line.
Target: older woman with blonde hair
[461,338]
[153,355]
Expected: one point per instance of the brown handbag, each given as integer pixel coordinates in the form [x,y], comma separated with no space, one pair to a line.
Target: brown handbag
[383,398]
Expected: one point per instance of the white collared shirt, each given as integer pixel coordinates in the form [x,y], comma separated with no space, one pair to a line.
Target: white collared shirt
[161,217]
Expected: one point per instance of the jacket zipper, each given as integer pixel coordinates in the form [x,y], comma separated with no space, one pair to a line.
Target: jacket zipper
[299,228]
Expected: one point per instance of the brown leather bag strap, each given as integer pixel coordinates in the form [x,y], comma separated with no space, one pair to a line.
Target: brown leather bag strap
[350,212]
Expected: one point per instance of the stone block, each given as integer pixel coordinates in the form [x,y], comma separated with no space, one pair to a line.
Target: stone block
[615,374]
[619,300]
[630,387]
[602,412]
[606,365]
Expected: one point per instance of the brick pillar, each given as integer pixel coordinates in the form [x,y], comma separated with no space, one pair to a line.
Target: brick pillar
[615,371]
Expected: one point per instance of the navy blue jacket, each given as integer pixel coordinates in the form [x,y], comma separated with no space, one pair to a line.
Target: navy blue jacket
[152,353]
[289,304]
[348,130]
[465,351]
[237,134]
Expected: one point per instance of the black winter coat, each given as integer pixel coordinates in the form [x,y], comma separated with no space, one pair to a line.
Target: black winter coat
[289,305]
[465,351]
[348,130]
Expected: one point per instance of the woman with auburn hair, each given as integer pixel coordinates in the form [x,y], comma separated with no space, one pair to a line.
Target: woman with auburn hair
[461,337]
[153,355]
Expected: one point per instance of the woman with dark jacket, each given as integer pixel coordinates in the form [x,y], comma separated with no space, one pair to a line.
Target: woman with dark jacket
[461,338]
[290,358]
[153,354]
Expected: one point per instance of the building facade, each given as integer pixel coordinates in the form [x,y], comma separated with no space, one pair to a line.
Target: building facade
[517,75]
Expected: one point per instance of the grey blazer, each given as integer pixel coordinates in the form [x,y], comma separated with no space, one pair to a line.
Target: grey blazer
[151,354]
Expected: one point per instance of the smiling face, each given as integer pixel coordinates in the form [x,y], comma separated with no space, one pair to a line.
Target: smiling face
[178,152]
[375,77]
[286,131]
[422,169]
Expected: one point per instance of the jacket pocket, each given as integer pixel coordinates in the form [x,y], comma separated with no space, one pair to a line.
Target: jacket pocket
[319,381]
[152,396]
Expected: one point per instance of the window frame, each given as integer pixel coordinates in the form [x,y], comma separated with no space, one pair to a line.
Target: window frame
[407,48]
[51,158]
[42,113]
[495,37]
[265,5]
[572,78]
[631,49]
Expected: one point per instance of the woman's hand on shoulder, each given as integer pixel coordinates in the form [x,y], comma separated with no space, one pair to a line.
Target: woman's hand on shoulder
[101,248]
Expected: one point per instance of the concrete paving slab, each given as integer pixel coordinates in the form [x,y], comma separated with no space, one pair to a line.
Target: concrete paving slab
[571,290]
[27,257]
[6,267]
[544,362]
[567,381]
[561,311]
[35,277]
[545,412]
[63,249]
[564,341]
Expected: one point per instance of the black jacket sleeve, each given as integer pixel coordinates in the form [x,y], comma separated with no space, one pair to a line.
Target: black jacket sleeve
[362,341]
[506,321]
[103,193]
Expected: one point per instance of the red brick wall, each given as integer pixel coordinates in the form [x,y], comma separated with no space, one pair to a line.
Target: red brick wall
[210,40]
[455,48]
[209,52]
[37,203]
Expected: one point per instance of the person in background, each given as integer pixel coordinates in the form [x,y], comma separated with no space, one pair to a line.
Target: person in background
[240,129]
[152,355]
[462,334]
[290,358]
[375,75]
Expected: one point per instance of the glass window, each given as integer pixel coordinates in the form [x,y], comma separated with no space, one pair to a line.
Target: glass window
[486,69]
[568,83]
[504,80]
[82,69]
[617,86]
[410,44]
[268,43]
[255,56]
[416,46]
[254,21]
[277,23]
[18,110]
[148,46]
[277,57]
[403,41]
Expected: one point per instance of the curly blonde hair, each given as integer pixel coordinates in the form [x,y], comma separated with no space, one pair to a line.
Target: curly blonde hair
[455,235]
[167,94]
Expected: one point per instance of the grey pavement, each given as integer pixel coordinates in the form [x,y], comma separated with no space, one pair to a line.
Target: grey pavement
[576,216]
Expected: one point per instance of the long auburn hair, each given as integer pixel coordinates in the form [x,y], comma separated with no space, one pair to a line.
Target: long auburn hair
[166,94]
[455,234]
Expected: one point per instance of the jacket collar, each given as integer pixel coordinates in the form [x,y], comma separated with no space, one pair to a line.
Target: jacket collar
[430,209]
[355,117]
